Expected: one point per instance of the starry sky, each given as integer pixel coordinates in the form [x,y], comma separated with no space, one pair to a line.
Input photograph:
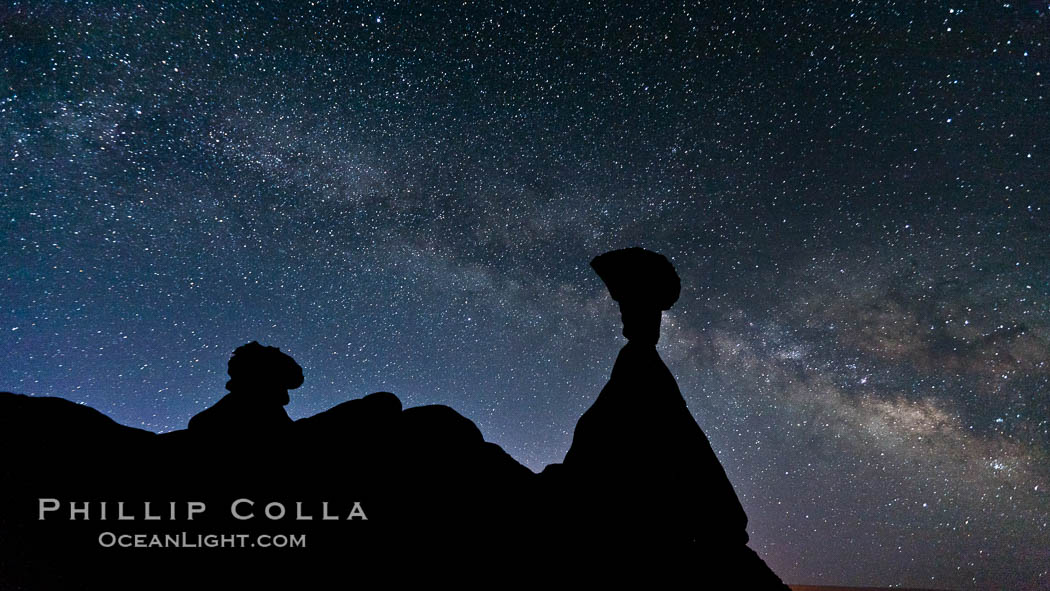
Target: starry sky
[406,196]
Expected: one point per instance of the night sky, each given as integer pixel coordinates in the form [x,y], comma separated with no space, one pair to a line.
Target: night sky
[406,196]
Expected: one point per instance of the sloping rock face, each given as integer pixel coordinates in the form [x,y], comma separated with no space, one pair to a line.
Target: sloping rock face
[364,492]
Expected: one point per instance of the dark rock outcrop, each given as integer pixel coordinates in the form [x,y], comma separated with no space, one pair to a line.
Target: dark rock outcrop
[435,494]
[364,482]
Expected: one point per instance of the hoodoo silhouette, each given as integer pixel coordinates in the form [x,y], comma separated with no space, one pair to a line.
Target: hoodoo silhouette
[260,378]
[375,486]
[639,448]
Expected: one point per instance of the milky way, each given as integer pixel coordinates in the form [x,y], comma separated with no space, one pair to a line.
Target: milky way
[405,198]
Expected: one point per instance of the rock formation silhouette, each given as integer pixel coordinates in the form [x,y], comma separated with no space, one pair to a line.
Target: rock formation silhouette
[260,378]
[377,491]
[638,450]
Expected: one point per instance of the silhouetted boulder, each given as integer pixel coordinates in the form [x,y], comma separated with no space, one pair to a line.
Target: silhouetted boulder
[260,378]
[639,276]
[381,406]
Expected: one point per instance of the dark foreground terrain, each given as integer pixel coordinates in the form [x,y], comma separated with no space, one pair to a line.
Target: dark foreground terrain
[365,491]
